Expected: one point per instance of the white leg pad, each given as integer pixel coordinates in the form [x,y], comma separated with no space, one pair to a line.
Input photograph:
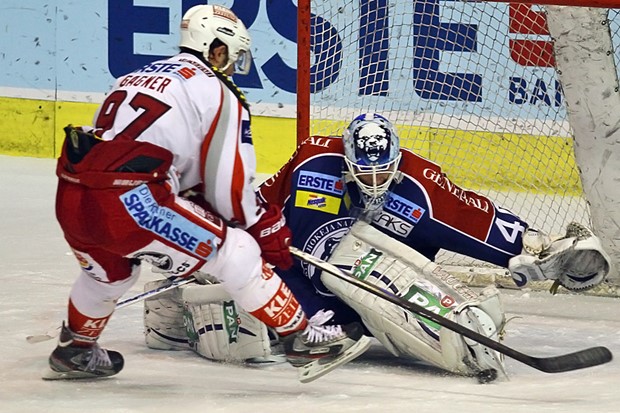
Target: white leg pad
[391,265]
[163,319]
[219,329]
[484,316]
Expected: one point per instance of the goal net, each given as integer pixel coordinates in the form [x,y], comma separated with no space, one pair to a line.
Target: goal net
[474,86]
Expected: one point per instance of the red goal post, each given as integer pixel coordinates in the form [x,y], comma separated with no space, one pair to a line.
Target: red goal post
[475,87]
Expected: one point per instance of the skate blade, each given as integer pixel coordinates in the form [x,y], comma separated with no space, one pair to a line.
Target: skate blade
[50,375]
[319,368]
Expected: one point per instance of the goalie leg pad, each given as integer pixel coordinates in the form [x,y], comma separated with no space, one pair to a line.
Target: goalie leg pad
[484,316]
[393,266]
[398,330]
[218,329]
[163,319]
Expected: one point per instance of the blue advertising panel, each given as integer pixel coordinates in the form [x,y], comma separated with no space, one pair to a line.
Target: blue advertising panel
[74,49]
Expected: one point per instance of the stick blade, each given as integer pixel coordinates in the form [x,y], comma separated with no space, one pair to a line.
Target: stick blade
[39,338]
[582,359]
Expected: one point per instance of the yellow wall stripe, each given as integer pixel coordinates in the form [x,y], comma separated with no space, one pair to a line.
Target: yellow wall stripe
[475,160]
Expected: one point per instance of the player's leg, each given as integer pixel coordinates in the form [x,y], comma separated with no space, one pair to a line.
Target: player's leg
[105,276]
[103,280]
[316,297]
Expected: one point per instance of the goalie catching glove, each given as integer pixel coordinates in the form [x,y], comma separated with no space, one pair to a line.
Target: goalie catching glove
[273,237]
[575,261]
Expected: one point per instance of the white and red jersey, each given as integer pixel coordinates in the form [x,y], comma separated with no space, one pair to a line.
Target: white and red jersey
[181,104]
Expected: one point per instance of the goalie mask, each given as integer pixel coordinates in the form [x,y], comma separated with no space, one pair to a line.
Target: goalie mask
[202,24]
[372,153]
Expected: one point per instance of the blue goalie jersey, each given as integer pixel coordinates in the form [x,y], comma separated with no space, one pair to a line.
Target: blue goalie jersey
[422,209]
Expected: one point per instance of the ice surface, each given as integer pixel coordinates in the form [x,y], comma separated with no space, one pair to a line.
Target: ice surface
[38,271]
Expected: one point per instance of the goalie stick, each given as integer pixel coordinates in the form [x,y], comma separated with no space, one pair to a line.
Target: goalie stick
[136,298]
[589,357]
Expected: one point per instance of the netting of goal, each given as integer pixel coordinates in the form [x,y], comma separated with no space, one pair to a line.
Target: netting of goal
[500,94]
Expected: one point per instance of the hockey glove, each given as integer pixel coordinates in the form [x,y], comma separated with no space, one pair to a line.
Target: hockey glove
[273,237]
[577,261]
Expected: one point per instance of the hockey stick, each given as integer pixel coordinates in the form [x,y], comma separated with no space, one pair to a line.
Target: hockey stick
[155,292]
[136,298]
[556,364]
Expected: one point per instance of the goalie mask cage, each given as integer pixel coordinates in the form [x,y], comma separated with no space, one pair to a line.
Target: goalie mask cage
[500,94]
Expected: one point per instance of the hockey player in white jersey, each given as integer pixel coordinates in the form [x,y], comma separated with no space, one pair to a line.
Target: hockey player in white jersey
[414,211]
[174,125]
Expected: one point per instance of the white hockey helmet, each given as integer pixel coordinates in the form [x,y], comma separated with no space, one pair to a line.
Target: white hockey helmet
[202,24]
[372,153]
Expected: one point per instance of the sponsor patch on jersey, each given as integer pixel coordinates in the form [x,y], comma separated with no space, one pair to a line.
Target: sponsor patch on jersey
[317,202]
[246,132]
[394,224]
[162,261]
[84,262]
[166,223]
[186,72]
[315,181]
[159,67]
[168,259]
[404,208]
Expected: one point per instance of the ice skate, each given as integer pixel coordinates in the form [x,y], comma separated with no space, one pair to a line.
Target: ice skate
[69,361]
[319,349]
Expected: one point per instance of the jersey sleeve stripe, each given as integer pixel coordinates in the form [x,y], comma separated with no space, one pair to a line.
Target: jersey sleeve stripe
[206,144]
[238,178]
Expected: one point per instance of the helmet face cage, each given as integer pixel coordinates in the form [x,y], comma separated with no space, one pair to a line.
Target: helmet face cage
[372,153]
[242,61]
[202,24]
